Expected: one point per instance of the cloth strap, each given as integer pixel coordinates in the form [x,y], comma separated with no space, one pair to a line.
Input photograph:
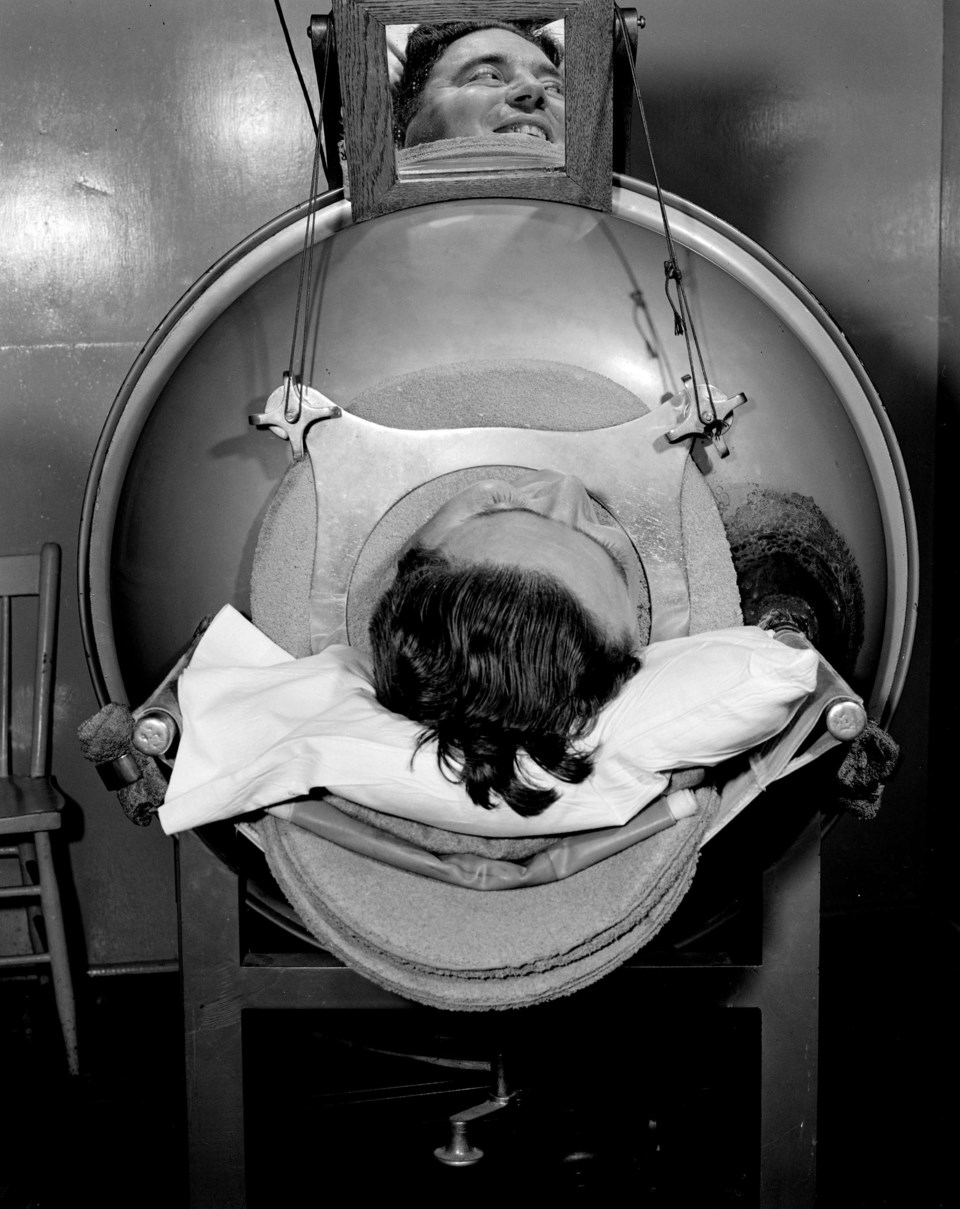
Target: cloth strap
[568,855]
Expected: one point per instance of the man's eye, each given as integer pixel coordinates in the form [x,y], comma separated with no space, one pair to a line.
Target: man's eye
[485,74]
[553,86]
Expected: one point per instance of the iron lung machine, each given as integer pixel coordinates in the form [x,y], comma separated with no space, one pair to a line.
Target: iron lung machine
[513,314]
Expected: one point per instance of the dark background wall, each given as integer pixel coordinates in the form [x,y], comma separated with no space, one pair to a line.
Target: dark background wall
[140,141]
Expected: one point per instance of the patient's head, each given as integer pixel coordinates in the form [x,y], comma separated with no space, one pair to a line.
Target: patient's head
[468,78]
[511,622]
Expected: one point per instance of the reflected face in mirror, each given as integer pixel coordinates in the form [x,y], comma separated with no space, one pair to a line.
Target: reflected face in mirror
[490,81]
[544,521]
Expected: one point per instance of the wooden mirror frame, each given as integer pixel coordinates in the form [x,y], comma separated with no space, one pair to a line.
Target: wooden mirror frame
[375,188]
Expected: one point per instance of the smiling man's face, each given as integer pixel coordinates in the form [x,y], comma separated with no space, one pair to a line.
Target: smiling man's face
[490,82]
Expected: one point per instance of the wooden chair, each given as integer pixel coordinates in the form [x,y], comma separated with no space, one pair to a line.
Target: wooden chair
[30,806]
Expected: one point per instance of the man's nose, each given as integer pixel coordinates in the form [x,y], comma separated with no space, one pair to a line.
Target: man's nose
[527,94]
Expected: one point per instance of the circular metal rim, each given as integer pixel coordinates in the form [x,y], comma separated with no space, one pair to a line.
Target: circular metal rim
[205,301]
[633,201]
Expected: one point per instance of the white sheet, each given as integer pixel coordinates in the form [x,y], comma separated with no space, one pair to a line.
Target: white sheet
[261,728]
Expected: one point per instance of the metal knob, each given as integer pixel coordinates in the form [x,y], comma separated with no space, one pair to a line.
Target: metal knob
[154,732]
[846,720]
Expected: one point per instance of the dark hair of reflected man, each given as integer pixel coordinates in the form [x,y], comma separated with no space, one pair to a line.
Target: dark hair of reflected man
[494,661]
[427,44]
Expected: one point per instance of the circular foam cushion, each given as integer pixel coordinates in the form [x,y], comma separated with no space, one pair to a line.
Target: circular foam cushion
[454,948]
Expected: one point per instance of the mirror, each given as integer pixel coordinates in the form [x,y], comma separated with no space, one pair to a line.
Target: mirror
[481,100]
[445,101]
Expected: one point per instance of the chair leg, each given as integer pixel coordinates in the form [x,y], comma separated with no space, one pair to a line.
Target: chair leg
[57,948]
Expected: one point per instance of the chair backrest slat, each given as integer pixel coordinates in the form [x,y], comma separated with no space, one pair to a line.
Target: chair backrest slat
[49,592]
[30,575]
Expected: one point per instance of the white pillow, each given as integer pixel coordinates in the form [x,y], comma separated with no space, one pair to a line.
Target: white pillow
[261,728]
[702,699]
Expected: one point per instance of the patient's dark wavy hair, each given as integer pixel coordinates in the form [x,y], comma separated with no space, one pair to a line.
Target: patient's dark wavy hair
[494,661]
[427,44]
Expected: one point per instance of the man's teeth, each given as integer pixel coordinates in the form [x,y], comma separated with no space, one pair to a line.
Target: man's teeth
[524,128]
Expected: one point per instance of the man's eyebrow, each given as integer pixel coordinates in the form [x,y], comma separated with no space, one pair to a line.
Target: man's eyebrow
[615,558]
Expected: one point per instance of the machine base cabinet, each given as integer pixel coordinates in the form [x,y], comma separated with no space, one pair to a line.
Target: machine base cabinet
[691,1083]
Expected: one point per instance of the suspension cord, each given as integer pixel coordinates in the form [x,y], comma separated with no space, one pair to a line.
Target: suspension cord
[292,400]
[296,66]
[683,318]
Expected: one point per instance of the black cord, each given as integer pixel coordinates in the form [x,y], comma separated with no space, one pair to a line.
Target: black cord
[305,279]
[296,67]
[311,229]
[683,324]
[304,295]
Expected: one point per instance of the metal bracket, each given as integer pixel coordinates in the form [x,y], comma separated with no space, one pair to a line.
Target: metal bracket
[291,409]
[706,417]
[363,470]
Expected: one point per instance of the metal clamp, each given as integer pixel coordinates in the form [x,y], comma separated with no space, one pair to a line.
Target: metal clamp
[290,411]
[707,417]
